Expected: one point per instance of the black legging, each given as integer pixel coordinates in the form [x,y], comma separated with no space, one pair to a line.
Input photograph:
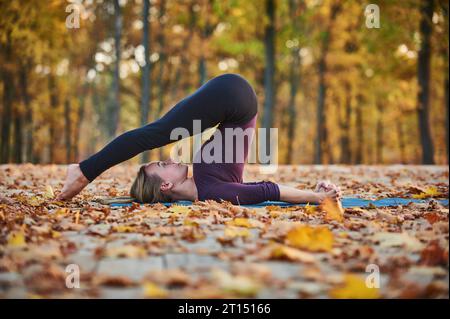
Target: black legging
[225,98]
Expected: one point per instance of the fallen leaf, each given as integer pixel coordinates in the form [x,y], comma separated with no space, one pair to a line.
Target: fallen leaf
[310,238]
[49,194]
[404,240]
[246,222]
[152,290]
[16,239]
[354,287]
[179,209]
[241,285]
[278,251]
[310,209]
[99,229]
[429,192]
[126,251]
[233,232]
[124,229]
[333,209]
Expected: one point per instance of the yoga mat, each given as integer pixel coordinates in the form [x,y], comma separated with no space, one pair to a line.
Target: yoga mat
[346,202]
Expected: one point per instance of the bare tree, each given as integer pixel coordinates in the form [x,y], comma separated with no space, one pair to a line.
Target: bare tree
[423,78]
[269,72]
[114,100]
[146,71]
[322,90]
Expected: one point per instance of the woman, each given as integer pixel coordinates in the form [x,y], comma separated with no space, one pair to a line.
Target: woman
[228,101]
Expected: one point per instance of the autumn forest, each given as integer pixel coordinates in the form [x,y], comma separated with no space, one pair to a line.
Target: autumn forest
[340,86]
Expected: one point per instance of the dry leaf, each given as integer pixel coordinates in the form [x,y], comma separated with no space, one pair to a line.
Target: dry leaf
[233,232]
[310,238]
[333,209]
[278,251]
[354,287]
[152,290]
[404,240]
[429,192]
[16,239]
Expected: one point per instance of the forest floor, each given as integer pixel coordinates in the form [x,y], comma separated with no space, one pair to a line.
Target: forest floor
[211,250]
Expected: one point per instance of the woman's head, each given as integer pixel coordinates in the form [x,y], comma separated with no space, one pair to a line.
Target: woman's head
[158,181]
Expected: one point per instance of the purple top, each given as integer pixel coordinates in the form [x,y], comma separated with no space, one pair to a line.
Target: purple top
[223,181]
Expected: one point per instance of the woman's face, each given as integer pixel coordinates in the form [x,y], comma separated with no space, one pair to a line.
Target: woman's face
[168,170]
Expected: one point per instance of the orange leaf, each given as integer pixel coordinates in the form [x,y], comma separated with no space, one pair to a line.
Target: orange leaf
[310,238]
[333,209]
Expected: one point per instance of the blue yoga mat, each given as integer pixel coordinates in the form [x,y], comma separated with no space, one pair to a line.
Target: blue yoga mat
[346,202]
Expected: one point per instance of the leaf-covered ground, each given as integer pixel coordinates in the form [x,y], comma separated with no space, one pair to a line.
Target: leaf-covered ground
[213,249]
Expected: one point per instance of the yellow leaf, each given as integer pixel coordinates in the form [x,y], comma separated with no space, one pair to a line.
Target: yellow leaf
[270,208]
[429,192]
[246,222]
[61,211]
[152,290]
[275,213]
[310,238]
[240,222]
[240,285]
[35,201]
[124,229]
[16,239]
[56,234]
[49,192]
[333,209]
[233,232]
[354,287]
[179,209]
[310,209]
[289,253]
[190,222]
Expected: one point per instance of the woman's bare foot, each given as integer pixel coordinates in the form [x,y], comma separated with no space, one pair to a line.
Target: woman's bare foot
[75,182]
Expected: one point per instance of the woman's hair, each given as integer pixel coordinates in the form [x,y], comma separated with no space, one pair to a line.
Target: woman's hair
[147,188]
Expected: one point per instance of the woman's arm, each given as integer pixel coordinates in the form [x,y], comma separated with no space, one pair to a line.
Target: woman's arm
[297,196]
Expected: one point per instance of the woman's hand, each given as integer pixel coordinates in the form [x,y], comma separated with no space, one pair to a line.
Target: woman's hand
[326,187]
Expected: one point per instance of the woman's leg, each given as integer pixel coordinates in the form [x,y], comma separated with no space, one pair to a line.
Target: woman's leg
[226,98]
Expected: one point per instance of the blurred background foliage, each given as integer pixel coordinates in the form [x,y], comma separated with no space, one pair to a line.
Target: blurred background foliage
[338,92]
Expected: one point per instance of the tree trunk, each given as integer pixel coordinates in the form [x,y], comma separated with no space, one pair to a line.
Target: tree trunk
[68,131]
[53,107]
[8,97]
[80,118]
[322,91]
[184,60]
[423,78]
[269,72]
[18,136]
[346,153]
[379,133]
[401,142]
[359,131]
[146,72]
[446,83]
[114,103]
[202,70]
[446,113]
[162,63]
[23,82]
[294,81]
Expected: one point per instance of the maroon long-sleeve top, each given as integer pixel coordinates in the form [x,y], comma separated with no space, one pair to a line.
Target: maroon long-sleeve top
[222,179]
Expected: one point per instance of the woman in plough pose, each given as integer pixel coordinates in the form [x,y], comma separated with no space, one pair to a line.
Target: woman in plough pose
[228,101]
